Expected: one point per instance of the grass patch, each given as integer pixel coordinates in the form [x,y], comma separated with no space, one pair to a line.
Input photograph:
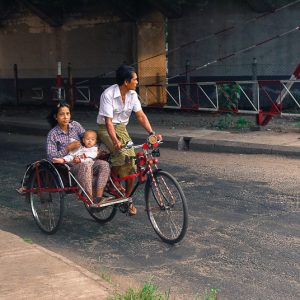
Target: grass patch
[148,292]
[106,276]
[212,294]
[229,121]
[225,121]
[297,124]
[242,123]
[27,240]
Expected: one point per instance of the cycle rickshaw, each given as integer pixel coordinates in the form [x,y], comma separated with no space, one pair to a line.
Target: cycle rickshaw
[45,184]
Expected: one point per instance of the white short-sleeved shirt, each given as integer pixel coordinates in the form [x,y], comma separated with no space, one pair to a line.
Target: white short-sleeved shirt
[112,106]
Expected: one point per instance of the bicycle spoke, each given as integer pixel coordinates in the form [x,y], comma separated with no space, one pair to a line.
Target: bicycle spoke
[176,227]
[47,207]
[166,207]
[104,214]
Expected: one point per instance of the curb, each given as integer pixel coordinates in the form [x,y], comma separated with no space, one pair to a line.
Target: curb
[181,143]
[241,148]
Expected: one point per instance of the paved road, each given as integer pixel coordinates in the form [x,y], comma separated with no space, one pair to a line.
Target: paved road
[243,237]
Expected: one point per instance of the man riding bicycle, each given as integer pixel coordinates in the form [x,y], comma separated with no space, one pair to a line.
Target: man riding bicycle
[116,104]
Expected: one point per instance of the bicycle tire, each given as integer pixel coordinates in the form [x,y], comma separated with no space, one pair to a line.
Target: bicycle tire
[166,207]
[98,213]
[47,207]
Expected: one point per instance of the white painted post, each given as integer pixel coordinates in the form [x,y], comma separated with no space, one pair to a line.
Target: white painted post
[59,81]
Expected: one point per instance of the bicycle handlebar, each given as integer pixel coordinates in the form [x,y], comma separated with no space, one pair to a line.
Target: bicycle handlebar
[130,144]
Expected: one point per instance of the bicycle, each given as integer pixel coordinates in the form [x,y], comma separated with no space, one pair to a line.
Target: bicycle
[45,185]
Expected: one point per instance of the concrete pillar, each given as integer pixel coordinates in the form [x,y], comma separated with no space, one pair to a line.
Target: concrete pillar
[254,85]
[151,57]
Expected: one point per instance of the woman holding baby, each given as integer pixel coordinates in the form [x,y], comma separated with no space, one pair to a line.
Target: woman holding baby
[64,146]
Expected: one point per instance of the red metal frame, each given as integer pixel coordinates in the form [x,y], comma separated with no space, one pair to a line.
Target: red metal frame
[264,117]
[141,173]
[40,189]
[50,190]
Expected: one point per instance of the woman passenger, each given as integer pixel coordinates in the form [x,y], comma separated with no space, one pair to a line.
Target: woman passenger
[64,137]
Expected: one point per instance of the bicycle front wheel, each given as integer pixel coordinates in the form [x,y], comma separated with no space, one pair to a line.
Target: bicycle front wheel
[166,207]
[47,204]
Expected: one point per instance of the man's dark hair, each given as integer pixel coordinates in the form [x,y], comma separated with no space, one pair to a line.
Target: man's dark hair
[124,73]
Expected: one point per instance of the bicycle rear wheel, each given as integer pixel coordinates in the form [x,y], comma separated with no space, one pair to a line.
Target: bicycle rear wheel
[102,215]
[47,204]
[166,207]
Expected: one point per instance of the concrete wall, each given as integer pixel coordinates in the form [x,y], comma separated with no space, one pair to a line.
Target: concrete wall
[93,46]
[278,57]
[96,45]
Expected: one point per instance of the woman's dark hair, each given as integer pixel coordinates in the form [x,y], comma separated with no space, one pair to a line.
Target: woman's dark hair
[124,73]
[51,116]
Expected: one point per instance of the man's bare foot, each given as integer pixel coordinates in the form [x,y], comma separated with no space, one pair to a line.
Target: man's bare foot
[132,210]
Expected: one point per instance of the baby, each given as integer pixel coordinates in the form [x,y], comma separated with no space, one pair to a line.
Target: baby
[86,153]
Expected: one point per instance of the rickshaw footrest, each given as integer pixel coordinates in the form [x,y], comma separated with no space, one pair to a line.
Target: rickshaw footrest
[111,202]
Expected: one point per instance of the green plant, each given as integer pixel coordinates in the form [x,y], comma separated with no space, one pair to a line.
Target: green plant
[242,123]
[224,121]
[229,95]
[297,124]
[212,294]
[148,292]
[27,240]
[104,275]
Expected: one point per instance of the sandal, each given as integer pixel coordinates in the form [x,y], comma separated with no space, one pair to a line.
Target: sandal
[132,210]
[21,190]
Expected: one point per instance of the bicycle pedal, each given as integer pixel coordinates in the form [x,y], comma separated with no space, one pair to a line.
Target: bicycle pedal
[123,207]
